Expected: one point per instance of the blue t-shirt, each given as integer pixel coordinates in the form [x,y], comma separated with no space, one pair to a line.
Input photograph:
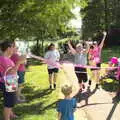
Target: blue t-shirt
[67,107]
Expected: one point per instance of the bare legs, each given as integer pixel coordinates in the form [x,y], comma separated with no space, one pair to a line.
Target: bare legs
[52,79]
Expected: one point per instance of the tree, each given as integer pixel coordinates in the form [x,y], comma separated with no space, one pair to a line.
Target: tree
[99,15]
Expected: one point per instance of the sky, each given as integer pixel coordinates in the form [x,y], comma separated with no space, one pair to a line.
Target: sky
[76,22]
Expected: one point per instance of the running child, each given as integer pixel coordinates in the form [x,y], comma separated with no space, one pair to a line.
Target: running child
[52,55]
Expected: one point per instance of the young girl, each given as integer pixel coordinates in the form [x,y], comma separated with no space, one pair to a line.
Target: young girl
[52,55]
[95,58]
[80,55]
[7,49]
[66,107]
[21,74]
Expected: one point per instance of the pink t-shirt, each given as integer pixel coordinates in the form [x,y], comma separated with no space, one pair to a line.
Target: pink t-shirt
[91,53]
[97,54]
[5,63]
[15,58]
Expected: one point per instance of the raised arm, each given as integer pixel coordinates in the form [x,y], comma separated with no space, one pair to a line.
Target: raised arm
[71,48]
[103,40]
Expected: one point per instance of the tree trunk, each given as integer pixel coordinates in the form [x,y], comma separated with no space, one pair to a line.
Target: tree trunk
[37,42]
[106,14]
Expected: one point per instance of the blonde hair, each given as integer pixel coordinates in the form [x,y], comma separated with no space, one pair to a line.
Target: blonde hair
[66,90]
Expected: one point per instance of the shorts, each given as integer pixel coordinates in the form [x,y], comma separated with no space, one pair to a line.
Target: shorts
[54,70]
[9,97]
[97,65]
[21,78]
[82,77]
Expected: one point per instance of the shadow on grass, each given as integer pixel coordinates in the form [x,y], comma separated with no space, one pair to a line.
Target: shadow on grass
[33,94]
[35,105]
[33,109]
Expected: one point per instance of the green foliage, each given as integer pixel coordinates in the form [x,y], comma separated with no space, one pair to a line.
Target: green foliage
[35,18]
[99,15]
[39,50]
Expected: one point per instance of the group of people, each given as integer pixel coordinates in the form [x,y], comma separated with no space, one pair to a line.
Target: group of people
[91,53]
[84,54]
[12,72]
[12,63]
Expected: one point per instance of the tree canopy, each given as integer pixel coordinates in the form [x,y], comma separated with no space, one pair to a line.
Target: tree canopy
[99,15]
[34,18]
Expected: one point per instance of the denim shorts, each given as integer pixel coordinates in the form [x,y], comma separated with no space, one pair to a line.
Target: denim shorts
[21,78]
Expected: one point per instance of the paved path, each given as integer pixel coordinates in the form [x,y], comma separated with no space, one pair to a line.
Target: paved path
[92,104]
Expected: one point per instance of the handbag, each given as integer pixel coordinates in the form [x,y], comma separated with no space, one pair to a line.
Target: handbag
[11,81]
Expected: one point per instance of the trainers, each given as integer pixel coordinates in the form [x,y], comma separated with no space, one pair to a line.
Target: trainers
[50,86]
[54,86]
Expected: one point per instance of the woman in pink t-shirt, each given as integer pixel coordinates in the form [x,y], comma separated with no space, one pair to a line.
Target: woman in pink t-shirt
[7,49]
[95,58]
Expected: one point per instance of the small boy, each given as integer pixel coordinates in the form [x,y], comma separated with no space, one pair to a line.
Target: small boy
[66,107]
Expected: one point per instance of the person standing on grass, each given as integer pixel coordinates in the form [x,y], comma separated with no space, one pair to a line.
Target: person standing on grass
[52,55]
[80,55]
[66,107]
[21,74]
[7,49]
[95,58]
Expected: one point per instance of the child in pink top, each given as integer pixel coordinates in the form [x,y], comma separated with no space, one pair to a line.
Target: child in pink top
[21,74]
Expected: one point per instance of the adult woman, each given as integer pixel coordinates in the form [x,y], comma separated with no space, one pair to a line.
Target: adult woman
[95,58]
[80,59]
[52,55]
[7,49]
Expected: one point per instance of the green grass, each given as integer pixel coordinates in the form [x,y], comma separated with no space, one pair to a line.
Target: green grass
[41,102]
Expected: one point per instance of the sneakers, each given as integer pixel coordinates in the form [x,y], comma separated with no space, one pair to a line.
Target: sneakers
[89,82]
[54,86]
[50,86]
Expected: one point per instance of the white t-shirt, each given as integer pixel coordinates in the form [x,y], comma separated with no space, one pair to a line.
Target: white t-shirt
[53,56]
